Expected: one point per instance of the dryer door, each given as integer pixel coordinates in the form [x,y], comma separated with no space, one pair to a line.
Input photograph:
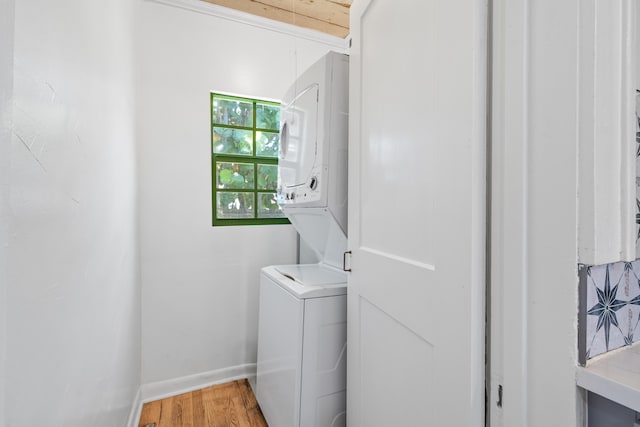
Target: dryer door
[298,143]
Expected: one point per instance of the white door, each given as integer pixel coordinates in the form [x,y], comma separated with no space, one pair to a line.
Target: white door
[417,213]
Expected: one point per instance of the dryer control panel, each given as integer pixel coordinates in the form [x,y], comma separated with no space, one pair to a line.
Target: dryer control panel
[310,191]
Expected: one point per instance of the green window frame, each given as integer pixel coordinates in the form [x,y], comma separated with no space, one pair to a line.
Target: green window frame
[244,160]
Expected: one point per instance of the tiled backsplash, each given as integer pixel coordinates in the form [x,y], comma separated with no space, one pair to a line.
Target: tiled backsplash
[612,306]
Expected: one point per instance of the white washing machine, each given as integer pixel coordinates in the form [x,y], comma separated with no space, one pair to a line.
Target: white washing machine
[302,334]
[302,341]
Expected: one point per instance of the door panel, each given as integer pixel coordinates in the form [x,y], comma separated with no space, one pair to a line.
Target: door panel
[392,133]
[403,348]
[417,213]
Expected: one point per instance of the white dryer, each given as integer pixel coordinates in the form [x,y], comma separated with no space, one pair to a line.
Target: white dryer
[302,334]
[312,168]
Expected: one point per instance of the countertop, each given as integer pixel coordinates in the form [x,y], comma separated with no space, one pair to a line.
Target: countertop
[614,375]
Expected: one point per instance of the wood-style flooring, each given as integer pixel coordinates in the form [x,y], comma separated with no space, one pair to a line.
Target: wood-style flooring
[226,405]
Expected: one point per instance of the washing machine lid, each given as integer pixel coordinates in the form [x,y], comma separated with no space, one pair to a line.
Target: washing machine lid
[322,232]
[309,280]
[313,274]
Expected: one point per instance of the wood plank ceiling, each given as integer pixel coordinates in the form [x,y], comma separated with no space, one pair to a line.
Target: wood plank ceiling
[327,16]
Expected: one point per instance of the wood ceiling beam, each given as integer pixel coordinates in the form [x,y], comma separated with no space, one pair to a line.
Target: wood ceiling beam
[324,10]
[327,16]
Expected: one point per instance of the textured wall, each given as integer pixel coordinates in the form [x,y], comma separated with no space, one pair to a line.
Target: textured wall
[73,311]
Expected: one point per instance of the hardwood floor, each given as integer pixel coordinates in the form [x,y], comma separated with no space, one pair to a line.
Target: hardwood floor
[226,405]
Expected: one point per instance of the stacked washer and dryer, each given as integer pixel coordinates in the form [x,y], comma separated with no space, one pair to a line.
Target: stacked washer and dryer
[302,336]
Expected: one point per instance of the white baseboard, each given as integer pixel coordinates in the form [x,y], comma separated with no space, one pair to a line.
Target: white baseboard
[161,389]
[167,388]
[136,408]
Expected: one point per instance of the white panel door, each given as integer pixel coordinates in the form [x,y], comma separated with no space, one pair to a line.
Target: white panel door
[417,213]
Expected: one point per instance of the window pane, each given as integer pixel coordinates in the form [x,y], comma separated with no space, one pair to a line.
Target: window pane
[235,113]
[234,175]
[231,205]
[245,143]
[268,117]
[267,144]
[267,177]
[268,206]
[232,141]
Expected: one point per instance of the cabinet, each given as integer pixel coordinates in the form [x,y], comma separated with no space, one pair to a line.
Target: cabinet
[608,78]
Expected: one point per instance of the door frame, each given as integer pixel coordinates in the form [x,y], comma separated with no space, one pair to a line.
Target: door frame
[535,138]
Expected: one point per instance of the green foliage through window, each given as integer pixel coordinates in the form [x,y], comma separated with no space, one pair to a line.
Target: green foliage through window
[244,161]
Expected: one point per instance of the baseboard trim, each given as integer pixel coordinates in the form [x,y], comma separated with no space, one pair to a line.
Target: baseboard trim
[136,409]
[161,389]
[167,388]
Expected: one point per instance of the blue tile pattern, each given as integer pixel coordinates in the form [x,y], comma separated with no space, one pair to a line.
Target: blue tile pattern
[613,306]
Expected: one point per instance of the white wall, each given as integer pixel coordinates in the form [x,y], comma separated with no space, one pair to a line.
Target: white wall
[6,91]
[200,283]
[73,311]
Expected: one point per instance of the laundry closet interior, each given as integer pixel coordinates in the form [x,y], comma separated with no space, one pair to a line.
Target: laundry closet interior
[368,212]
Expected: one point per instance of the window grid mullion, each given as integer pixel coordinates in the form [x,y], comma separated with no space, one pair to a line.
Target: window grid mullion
[245,159]
[242,99]
[222,125]
[255,165]
[235,190]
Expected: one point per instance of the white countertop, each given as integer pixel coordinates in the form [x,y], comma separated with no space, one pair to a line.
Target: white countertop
[614,375]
